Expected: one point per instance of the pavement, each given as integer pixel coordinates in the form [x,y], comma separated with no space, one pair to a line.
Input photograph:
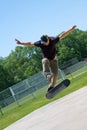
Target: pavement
[67,113]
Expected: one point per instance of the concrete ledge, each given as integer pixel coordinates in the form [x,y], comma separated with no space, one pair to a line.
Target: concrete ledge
[67,113]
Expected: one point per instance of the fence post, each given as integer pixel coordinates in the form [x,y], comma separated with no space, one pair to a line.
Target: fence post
[13,95]
[1,110]
[62,74]
[28,85]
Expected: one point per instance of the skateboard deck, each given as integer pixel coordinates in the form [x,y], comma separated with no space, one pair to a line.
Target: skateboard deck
[61,86]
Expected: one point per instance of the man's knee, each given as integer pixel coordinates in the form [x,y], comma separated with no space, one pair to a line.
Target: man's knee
[45,60]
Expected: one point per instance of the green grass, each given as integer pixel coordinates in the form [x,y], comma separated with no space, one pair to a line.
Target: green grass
[13,113]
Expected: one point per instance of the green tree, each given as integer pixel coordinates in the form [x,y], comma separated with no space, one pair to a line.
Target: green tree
[22,63]
[4,78]
[76,43]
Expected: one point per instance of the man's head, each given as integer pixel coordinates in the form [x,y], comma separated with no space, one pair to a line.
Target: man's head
[44,40]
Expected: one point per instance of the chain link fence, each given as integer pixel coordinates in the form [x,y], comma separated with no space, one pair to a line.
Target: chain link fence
[24,88]
[32,84]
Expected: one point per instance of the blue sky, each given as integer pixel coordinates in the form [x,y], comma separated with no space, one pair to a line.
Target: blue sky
[27,20]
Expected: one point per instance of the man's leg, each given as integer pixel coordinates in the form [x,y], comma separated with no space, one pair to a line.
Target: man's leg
[54,69]
[46,69]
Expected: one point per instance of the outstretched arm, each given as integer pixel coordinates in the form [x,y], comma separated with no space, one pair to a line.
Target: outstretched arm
[24,43]
[64,34]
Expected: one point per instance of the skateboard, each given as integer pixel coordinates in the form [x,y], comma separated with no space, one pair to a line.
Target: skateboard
[61,86]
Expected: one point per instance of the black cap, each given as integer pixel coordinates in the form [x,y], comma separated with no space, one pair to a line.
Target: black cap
[44,39]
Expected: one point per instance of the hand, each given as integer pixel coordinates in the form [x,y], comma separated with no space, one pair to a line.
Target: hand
[17,41]
[74,27]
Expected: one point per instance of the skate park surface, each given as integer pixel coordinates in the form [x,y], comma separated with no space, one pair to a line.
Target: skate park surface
[67,113]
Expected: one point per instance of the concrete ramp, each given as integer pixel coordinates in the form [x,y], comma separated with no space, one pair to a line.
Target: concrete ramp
[67,113]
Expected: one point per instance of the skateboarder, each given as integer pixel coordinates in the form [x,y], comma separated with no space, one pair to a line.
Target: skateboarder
[49,61]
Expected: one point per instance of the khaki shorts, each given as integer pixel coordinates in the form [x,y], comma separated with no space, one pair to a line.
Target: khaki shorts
[50,65]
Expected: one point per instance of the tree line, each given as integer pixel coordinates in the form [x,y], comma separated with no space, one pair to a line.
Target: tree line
[24,61]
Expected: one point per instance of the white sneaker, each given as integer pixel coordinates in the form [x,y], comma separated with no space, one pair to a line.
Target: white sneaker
[49,76]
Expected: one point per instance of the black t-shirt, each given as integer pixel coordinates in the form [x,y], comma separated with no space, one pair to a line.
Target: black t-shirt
[50,50]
